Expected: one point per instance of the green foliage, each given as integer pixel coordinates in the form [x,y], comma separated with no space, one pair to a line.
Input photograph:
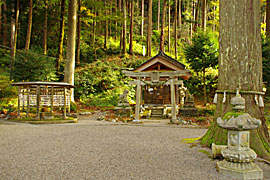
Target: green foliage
[8,93]
[195,83]
[266,60]
[203,52]
[33,67]
[100,83]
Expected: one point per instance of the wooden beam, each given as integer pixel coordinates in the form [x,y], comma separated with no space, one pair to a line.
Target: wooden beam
[161,74]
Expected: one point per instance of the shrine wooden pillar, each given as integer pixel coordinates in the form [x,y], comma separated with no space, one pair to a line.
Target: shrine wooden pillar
[38,102]
[138,84]
[28,101]
[173,102]
[19,102]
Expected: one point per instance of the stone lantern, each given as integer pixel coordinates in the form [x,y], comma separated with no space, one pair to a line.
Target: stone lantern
[238,157]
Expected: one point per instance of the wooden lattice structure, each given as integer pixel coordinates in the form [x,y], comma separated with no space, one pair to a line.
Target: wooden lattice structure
[158,80]
[40,94]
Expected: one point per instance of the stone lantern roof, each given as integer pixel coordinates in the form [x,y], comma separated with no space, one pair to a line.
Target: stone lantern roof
[239,121]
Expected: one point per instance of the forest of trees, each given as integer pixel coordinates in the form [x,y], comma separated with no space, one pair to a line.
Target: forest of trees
[109,27]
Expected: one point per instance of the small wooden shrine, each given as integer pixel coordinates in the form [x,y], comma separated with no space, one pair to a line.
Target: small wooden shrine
[39,94]
[158,80]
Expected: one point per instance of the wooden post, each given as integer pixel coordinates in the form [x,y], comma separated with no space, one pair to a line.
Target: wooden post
[173,103]
[52,100]
[177,94]
[23,99]
[65,108]
[38,102]
[138,99]
[19,93]
[28,101]
[69,92]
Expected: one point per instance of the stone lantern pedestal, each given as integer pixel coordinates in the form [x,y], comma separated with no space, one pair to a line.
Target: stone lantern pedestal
[238,157]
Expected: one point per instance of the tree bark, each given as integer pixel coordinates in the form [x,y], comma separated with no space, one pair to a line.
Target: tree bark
[14,32]
[124,50]
[175,28]
[78,42]
[169,26]
[0,23]
[158,18]
[179,14]
[268,18]
[71,41]
[106,26]
[240,66]
[116,32]
[45,30]
[162,37]
[29,27]
[204,14]
[149,32]
[131,29]
[142,23]
[61,36]
[5,23]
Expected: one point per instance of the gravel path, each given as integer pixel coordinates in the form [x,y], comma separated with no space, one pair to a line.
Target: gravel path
[100,151]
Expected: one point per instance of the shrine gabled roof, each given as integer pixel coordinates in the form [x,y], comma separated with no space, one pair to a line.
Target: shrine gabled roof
[162,56]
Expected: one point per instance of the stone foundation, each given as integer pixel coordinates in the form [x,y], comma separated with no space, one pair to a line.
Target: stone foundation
[240,170]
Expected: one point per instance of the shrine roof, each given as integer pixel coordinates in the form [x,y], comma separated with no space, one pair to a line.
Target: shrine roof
[162,56]
[43,83]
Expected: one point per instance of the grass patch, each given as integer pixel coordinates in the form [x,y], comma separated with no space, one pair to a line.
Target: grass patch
[190,140]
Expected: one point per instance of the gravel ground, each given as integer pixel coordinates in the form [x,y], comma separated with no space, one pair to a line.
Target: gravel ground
[98,150]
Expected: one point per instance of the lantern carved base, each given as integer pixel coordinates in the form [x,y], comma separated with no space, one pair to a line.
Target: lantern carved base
[240,170]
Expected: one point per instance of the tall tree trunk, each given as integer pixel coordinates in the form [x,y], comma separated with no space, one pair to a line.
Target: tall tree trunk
[169,27]
[71,41]
[142,14]
[131,28]
[240,66]
[45,30]
[149,32]
[268,18]
[94,34]
[106,25]
[124,51]
[61,36]
[5,23]
[78,42]
[196,14]
[116,32]
[204,14]
[158,17]
[0,23]
[14,34]
[162,37]
[175,28]
[214,18]
[110,22]
[180,14]
[29,27]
